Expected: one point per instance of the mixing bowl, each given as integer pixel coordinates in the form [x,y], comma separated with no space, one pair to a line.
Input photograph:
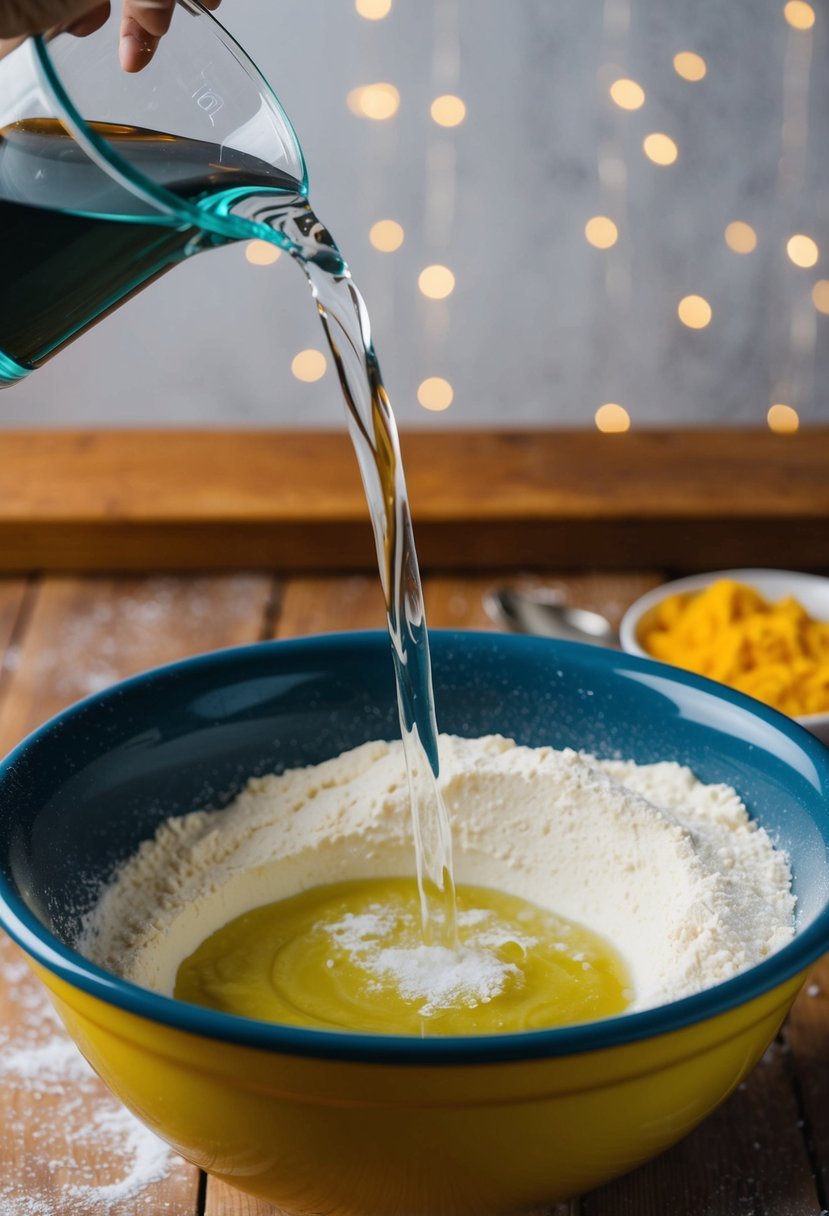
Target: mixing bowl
[350,1123]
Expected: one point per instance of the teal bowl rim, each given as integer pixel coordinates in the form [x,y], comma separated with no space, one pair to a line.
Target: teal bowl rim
[24,927]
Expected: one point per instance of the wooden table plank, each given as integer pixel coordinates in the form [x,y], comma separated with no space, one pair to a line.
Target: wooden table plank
[748,1158]
[67,1147]
[224,1200]
[86,633]
[12,595]
[807,1035]
[126,500]
[329,603]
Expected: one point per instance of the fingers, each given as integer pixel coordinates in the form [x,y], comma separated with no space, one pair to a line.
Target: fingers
[142,25]
[20,17]
[9,44]
[75,21]
[152,15]
[136,47]
[90,22]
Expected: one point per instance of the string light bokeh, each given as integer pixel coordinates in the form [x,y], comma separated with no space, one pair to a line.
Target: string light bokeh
[309,365]
[601,232]
[800,16]
[262,253]
[373,10]
[694,311]
[740,237]
[783,419]
[612,419]
[436,282]
[802,250]
[690,66]
[547,210]
[627,95]
[386,235]
[660,148]
[820,296]
[448,110]
[378,101]
[435,394]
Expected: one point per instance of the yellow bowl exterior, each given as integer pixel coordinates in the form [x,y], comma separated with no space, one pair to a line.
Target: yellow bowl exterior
[367,1138]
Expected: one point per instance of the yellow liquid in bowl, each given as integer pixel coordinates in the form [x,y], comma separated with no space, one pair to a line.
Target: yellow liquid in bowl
[351,956]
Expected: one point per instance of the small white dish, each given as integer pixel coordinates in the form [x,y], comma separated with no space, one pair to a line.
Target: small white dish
[811,590]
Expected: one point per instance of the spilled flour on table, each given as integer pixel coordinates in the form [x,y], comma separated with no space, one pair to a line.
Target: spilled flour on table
[76,1150]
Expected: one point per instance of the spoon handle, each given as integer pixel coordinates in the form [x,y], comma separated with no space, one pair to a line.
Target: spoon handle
[543,614]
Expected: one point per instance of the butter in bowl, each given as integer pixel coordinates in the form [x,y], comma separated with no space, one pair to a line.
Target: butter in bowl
[763,632]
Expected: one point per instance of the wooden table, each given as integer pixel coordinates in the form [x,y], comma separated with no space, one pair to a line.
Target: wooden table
[62,1138]
[177,504]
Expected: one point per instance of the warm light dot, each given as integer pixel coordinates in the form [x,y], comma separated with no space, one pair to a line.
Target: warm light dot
[820,295]
[802,250]
[612,419]
[627,94]
[436,282]
[660,148]
[309,365]
[448,111]
[373,10]
[783,419]
[694,311]
[262,253]
[740,237]
[601,232]
[799,14]
[386,235]
[689,65]
[377,101]
[435,394]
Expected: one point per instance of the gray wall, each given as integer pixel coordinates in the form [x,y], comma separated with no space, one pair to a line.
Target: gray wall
[541,328]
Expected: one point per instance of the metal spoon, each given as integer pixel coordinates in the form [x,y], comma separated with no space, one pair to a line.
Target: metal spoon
[543,612]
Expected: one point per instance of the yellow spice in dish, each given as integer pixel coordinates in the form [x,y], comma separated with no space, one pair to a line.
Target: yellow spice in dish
[729,632]
[351,956]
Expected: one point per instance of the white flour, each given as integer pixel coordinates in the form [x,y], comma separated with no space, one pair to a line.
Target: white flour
[439,977]
[671,872]
[78,1151]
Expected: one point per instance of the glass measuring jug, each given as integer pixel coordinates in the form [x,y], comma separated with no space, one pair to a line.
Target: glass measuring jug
[108,179]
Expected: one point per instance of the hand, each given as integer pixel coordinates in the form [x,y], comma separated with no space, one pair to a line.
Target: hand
[143,23]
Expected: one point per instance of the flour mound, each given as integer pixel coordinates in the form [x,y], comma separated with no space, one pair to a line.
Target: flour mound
[672,872]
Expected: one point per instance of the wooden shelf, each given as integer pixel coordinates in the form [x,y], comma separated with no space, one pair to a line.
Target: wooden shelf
[681,500]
